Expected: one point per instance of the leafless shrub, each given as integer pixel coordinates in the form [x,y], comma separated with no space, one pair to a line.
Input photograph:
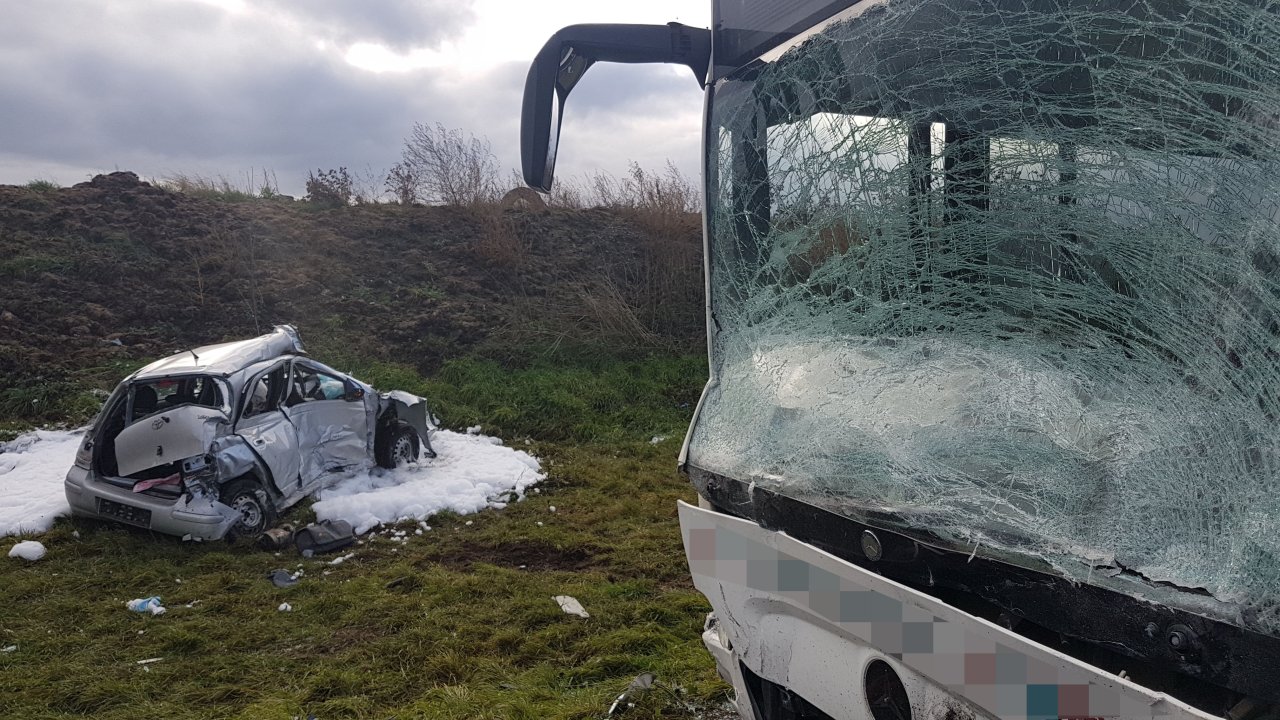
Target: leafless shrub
[449,167]
[332,188]
[402,183]
[366,186]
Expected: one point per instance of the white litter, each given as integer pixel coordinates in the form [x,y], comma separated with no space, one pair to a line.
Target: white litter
[470,523]
[571,606]
[9,649]
[28,550]
[32,470]
[657,439]
[148,661]
[285,607]
[341,559]
[552,508]
[471,473]
[146,605]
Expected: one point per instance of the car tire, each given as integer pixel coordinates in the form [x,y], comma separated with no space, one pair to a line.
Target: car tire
[396,445]
[258,513]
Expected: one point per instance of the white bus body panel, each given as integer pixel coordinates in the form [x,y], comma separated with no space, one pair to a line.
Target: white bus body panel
[811,622]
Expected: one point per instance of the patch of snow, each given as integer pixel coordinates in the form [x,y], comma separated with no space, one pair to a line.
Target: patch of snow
[474,429]
[571,606]
[32,470]
[471,473]
[28,550]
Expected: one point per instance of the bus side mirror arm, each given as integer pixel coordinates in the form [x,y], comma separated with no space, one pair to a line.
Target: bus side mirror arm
[567,55]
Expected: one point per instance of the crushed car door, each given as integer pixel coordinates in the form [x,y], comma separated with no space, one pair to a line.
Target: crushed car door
[330,417]
[264,426]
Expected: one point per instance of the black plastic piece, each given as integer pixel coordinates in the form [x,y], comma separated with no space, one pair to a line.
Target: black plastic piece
[566,57]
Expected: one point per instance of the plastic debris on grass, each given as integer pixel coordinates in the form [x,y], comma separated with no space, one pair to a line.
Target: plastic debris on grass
[28,550]
[146,605]
[571,606]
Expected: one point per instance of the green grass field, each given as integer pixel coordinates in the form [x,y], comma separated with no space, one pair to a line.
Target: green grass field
[458,622]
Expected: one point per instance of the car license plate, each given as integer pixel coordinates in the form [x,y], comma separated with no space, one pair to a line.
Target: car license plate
[124,513]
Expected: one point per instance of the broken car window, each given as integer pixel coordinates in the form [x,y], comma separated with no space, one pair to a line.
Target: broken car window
[309,384]
[264,393]
[153,395]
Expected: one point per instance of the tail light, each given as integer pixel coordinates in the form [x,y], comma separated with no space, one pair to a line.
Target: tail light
[84,456]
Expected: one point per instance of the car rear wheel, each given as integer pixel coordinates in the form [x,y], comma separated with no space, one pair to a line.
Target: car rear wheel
[396,446]
[257,513]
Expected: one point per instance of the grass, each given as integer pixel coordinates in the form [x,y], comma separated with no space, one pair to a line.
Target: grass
[456,623]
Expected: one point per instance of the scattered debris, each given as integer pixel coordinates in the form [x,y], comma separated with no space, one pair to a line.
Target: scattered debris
[571,606]
[539,523]
[28,550]
[146,605]
[285,607]
[470,523]
[552,508]
[149,661]
[282,578]
[9,649]
[341,559]
[657,439]
[638,687]
[324,536]
[276,538]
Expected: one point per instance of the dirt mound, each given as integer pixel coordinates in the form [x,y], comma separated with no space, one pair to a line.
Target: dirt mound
[103,275]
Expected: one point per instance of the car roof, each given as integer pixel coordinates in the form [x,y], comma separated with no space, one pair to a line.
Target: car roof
[226,358]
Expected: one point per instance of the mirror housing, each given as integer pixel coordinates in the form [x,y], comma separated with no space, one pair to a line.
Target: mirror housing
[561,63]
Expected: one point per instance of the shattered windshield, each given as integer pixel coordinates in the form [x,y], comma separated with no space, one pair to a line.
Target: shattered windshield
[1008,270]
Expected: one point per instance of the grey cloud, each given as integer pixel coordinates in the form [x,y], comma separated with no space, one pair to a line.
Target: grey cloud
[190,88]
[400,24]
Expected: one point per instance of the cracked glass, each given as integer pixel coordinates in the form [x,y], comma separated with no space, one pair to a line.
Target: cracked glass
[1007,271]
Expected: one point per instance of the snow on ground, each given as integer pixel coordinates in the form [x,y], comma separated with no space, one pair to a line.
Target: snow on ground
[32,469]
[471,473]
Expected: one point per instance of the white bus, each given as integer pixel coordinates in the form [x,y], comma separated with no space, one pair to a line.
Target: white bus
[993,311]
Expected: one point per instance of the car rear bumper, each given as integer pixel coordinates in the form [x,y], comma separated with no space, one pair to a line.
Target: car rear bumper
[193,517]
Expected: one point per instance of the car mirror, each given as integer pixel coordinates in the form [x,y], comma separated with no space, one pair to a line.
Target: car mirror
[568,54]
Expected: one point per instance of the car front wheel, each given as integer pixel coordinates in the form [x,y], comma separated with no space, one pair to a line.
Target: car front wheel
[396,446]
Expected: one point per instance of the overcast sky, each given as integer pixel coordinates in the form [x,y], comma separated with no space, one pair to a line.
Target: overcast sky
[228,87]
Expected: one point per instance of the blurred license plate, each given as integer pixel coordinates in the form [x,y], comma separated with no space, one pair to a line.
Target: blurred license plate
[124,513]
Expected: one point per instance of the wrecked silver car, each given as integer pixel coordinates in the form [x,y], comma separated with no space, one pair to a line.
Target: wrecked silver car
[220,439]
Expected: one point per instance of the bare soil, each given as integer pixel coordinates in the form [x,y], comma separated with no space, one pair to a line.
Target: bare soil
[113,272]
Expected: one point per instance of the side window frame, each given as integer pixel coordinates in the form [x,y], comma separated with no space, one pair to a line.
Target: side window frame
[274,399]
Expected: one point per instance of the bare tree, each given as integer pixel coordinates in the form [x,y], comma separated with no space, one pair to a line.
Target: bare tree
[402,184]
[450,167]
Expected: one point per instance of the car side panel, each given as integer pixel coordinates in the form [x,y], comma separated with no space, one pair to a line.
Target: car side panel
[273,438]
[331,434]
